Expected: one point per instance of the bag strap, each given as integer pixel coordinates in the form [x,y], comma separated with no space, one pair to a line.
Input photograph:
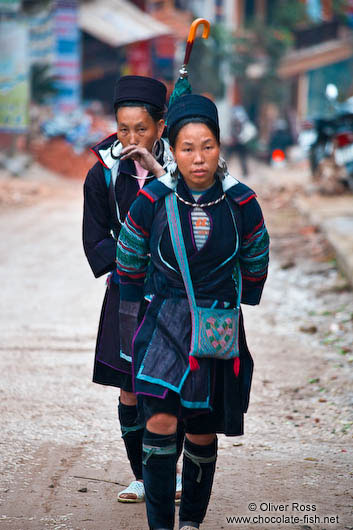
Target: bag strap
[176,235]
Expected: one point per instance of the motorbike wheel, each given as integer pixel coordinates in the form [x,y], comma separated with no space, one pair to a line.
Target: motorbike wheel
[317,154]
[313,162]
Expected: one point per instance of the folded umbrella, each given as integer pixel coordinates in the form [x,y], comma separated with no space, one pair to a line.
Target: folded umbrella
[182,86]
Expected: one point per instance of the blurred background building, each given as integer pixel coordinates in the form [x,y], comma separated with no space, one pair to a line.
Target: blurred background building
[273,57]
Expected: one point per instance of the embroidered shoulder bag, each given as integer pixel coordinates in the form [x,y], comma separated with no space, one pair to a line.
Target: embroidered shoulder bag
[215,332]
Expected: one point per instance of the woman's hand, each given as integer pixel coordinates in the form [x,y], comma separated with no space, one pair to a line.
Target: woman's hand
[144,158]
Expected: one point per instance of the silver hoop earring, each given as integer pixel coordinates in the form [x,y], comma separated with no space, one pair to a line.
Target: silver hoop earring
[222,168]
[173,169]
[157,148]
[115,150]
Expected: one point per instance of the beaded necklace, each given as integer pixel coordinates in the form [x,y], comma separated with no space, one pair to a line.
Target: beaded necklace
[203,205]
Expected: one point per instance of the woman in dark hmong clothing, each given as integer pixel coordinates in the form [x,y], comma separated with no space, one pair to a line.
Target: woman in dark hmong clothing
[226,246]
[109,190]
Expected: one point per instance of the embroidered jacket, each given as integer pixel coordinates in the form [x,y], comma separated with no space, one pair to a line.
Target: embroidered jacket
[109,190]
[144,244]
[106,204]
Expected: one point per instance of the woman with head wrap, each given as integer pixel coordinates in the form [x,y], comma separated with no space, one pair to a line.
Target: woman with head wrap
[109,190]
[199,237]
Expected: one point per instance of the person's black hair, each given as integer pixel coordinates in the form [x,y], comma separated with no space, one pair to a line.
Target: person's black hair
[175,129]
[156,113]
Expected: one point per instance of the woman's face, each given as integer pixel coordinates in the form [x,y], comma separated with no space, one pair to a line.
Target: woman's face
[137,127]
[196,152]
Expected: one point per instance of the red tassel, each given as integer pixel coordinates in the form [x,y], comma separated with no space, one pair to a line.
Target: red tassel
[194,365]
[236,366]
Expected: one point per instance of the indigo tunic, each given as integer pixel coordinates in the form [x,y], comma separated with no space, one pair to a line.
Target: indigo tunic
[146,262]
[106,203]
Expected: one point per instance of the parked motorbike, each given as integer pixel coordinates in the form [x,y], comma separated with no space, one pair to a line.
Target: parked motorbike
[280,139]
[329,142]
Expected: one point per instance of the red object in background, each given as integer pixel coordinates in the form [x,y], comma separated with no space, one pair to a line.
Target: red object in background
[344,139]
[57,155]
[307,125]
[139,58]
[165,46]
[278,155]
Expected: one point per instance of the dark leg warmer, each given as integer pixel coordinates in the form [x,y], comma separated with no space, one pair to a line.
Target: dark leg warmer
[180,438]
[132,434]
[159,471]
[198,471]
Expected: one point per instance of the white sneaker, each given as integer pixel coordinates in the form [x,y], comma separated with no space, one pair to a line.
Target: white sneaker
[135,492]
[178,489]
[189,527]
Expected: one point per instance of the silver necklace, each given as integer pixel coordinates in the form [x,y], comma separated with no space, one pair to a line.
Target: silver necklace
[203,205]
[142,178]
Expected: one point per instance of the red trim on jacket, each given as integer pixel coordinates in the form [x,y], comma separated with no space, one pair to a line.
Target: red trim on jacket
[248,236]
[137,226]
[247,200]
[140,275]
[97,155]
[144,192]
[252,279]
[99,158]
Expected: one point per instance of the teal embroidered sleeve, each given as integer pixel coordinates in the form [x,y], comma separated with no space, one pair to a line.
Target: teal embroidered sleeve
[254,253]
[133,250]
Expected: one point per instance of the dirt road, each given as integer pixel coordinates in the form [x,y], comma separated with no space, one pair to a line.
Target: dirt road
[62,458]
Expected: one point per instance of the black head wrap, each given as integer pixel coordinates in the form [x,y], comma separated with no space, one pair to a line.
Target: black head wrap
[139,88]
[192,106]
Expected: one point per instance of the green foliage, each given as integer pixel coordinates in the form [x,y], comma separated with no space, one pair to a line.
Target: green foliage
[42,83]
[271,40]
[263,44]
[340,9]
[289,14]
[261,47]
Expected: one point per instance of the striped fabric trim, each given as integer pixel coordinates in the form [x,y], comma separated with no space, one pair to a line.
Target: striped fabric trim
[251,279]
[150,450]
[134,428]
[138,227]
[132,250]
[254,254]
[256,228]
[201,226]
